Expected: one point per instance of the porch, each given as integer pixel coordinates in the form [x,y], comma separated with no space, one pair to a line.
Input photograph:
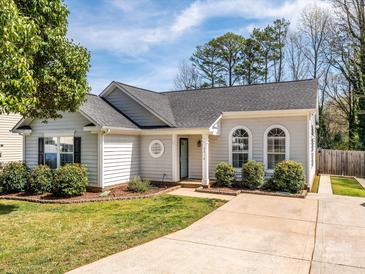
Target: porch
[190,160]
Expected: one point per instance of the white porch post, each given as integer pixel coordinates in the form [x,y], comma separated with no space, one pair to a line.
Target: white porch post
[175,164]
[205,160]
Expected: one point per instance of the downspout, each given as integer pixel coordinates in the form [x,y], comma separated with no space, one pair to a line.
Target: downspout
[101,135]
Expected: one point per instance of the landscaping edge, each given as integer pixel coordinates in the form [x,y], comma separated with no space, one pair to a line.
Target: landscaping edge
[301,195]
[87,200]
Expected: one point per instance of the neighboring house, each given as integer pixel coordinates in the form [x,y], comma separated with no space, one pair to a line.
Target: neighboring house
[11,144]
[171,136]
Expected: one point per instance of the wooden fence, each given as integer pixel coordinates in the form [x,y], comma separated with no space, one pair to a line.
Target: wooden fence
[339,162]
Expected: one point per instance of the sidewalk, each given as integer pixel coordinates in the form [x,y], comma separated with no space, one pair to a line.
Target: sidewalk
[325,187]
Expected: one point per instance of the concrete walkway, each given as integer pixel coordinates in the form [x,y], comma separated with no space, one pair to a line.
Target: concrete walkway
[256,234]
[325,185]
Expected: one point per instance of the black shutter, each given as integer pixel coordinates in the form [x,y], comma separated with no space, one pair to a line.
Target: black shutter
[77,150]
[41,151]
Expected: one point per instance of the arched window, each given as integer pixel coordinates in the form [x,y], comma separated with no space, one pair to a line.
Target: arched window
[276,146]
[240,146]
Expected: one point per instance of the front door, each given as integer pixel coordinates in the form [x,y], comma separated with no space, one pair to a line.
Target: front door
[184,158]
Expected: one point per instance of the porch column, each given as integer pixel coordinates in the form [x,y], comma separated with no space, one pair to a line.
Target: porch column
[205,160]
[175,160]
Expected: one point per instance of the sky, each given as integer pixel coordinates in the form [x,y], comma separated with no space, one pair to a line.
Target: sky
[142,42]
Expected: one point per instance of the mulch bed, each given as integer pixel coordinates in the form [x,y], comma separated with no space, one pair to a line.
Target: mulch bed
[236,191]
[219,190]
[118,193]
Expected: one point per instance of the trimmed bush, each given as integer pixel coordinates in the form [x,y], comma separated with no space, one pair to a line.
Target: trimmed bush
[40,180]
[224,174]
[13,177]
[288,177]
[70,180]
[139,185]
[253,174]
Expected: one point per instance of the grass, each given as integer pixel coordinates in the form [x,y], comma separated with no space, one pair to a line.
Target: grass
[41,238]
[315,184]
[347,186]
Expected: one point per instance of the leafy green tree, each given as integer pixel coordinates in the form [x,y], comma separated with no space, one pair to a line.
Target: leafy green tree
[251,67]
[228,48]
[42,72]
[206,60]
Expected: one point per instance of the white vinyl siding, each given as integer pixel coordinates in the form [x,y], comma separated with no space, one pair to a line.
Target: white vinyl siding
[132,109]
[121,159]
[155,168]
[69,121]
[296,125]
[11,144]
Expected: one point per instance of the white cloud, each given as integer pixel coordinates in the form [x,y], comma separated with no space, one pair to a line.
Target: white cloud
[200,11]
[131,37]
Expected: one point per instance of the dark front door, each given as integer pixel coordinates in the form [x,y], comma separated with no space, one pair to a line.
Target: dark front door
[184,158]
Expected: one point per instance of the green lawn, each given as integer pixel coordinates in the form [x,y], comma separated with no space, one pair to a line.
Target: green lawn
[40,238]
[347,186]
[315,184]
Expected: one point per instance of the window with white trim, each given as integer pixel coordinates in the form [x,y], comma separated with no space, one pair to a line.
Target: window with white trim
[156,148]
[276,147]
[58,151]
[240,147]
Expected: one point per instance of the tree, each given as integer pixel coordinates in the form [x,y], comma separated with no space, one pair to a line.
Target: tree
[348,52]
[265,39]
[279,32]
[206,60]
[42,72]
[296,60]
[228,48]
[251,68]
[187,77]
[342,97]
[314,27]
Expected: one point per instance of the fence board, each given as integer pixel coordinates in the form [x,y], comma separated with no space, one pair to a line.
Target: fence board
[339,162]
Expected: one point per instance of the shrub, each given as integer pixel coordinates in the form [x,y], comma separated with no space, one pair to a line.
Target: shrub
[224,174]
[253,174]
[40,180]
[70,180]
[288,176]
[138,185]
[13,177]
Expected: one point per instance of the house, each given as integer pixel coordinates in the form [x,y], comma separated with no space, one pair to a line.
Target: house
[172,136]
[11,145]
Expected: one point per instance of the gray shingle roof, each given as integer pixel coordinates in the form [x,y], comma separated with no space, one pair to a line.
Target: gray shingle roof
[104,114]
[200,108]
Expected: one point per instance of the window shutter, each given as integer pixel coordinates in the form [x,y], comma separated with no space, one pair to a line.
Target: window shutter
[77,150]
[41,151]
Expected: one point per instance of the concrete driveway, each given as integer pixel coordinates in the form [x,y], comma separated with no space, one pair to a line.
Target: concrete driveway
[256,234]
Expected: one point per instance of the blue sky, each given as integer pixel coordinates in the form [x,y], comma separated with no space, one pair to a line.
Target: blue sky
[141,42]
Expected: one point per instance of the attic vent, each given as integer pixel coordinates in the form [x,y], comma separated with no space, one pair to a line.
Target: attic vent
[156,148]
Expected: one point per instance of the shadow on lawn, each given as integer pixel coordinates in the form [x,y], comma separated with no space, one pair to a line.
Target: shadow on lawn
[6,209]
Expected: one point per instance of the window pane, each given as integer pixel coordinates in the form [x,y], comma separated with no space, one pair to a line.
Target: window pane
[66,144]
[66,158]
[273,159]
[238,159]
[51,160]
[276,144]
[50,145]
